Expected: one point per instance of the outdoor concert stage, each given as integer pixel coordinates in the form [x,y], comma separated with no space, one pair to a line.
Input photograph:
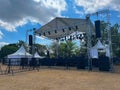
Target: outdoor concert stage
[62,28]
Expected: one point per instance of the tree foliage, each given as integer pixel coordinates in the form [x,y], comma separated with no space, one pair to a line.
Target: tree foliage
[66,49]
[115,36]
[11,48]
[40,49]
[8,49]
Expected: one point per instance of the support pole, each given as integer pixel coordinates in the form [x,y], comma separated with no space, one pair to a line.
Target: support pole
[109,41]
[88,33]
[57,48]
[33,46]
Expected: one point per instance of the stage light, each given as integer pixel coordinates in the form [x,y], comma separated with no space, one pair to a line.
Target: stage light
[55,31]
[70,37]
[76,27]
[84,34]
[49,32]
[80,38]
[69,28]
[93,36]
[80,35]
[44,33]
[63,30]
[62,39]
[56,38]
[73,37]
[77,37]
[65,37]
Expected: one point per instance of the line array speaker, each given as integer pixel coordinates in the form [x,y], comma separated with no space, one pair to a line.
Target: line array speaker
[97,29]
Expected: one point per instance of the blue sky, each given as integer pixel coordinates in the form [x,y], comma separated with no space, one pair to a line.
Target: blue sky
[18,16]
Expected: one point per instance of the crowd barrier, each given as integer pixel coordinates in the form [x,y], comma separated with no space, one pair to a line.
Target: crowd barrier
[78,62]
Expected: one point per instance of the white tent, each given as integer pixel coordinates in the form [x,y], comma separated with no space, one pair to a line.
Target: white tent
[36,55]
[107,51]
[94,52]
[20,53]
[99,45]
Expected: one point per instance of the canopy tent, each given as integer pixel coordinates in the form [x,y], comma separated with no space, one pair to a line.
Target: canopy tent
[20,53]
[94,52]
[99,47]
[60,27]
[36,55]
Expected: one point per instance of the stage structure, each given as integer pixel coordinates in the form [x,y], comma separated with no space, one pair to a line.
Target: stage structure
[107,13]
[62,27]
[30,40]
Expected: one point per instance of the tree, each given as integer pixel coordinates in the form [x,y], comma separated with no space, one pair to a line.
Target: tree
[8,49]
[71,46]
[115,36]
[115,39]
[40,49]
[68,49]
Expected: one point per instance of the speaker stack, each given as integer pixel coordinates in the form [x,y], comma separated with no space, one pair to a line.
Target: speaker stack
[104,64]
[30,40]
[30,43]
[97,29]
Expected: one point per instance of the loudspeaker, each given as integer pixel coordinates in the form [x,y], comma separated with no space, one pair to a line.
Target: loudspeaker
[63,30]
[97,29]
[55,31]
[65,37]
[49,32]
[76,27]
[104,64]
[44,33]
[69,28]
[70,37]
[30,40]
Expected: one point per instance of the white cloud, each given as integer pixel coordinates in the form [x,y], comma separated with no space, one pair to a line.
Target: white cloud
[1,34]
[91,6]
[14,13]
[81,13]
[7,26]
[115,5]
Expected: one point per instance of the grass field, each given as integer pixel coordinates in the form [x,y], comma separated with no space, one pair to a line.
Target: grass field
[51,79]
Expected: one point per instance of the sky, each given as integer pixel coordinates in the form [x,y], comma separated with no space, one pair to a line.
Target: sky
[19,16]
